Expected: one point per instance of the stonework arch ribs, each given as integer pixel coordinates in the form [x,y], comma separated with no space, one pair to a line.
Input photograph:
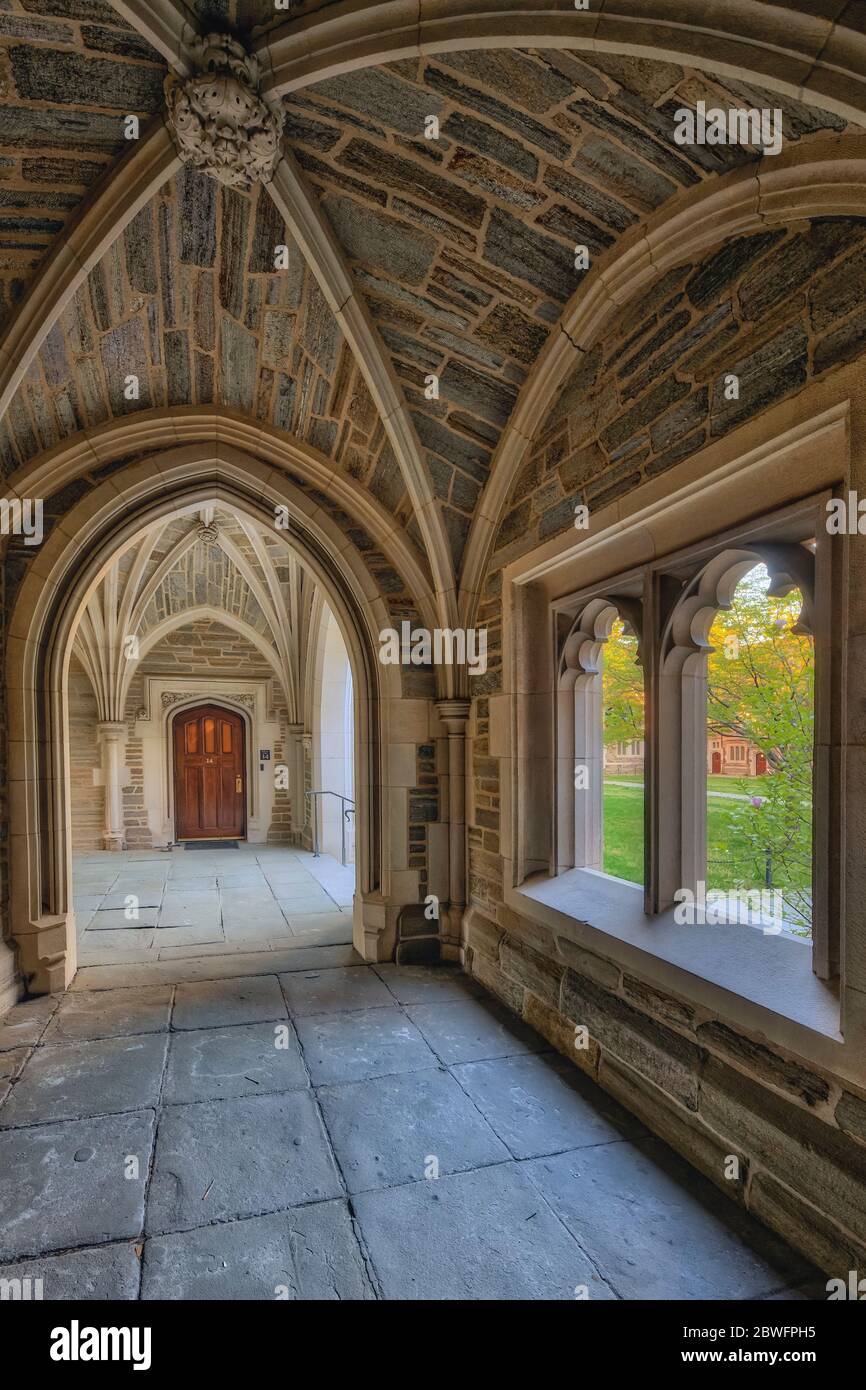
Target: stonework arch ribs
[325,257]
[800,50]
[311,485]
[167,25]
[176,621]
[170,24]
[267,592]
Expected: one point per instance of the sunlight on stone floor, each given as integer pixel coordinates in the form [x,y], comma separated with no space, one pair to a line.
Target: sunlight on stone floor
[141,906]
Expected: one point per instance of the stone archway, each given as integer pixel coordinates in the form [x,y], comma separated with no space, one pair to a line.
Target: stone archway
[43,625]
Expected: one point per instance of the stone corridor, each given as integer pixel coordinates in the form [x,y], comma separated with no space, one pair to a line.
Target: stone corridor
[323,1129]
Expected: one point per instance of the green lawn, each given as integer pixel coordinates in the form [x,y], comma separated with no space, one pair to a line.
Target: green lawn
[754,786]
[728,858]
[623,832]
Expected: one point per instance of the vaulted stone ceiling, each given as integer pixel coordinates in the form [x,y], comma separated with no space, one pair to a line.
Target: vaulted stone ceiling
[204,562]
[187,300]
[461,248]
[69,71]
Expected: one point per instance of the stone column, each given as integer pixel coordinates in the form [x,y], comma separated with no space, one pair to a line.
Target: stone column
[454,715]
[112,741]
[294,760]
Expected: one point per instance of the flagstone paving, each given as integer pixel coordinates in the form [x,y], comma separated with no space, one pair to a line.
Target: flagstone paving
[140,907]
[334,1130]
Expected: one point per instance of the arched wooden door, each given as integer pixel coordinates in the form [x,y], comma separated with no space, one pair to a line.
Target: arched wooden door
[717,764]
[209,774]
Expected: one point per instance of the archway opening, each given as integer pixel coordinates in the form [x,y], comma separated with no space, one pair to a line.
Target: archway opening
[201,597]
[207,691]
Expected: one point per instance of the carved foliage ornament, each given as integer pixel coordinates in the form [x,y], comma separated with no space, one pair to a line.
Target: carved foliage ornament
[221,123]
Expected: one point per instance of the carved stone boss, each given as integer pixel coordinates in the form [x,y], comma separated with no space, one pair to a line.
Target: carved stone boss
[221,123]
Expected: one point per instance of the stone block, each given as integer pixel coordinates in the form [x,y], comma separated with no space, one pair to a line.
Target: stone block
[64,1184]
[587,963]
[424,984]
[766,1065]
[385,1130]
[542,1105]
[529,255]
[104,1273]
[833,1249]
[658,1230]
[342,990]
[851,1116]
[310,1254]
[677,1126]
[245,1060]
[223,1159]
[669,1060]
[356,1046]
[489,974]
[216,1003]
[530,968]
[110,1013]
[424,1240]
[484,935]
[822,1164]
[560,1033]
[66,1081]
[380,240]
[378,93]
[469,1030]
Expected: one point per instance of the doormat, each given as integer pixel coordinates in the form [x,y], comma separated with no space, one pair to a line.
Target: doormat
[210,844]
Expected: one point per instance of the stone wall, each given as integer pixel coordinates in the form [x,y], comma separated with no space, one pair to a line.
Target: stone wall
[780,310]
[696,1082]
[88,800]
[777,309]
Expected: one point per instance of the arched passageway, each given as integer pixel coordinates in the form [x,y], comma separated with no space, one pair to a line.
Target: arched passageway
[492,332]
[109,559]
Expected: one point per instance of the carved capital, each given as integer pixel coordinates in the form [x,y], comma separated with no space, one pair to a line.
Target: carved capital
[221,123]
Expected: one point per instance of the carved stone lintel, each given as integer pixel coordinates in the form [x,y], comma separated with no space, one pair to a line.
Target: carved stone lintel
[222,124]
[174,697]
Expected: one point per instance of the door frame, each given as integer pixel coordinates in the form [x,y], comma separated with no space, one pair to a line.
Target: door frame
[202,702]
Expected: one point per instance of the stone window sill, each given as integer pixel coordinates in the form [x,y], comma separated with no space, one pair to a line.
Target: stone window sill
[760,981]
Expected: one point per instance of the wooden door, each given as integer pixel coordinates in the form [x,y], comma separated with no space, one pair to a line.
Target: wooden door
[209,781]
[717,763]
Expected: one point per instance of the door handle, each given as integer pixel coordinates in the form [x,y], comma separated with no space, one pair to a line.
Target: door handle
[239,784]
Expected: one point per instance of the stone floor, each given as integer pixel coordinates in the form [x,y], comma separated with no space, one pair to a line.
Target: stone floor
[141,906]
[322,1129]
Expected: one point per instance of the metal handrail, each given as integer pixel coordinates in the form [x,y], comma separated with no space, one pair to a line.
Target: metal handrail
[347,801]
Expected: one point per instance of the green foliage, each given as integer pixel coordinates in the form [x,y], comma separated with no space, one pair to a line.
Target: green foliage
[622,687]
[761,688]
